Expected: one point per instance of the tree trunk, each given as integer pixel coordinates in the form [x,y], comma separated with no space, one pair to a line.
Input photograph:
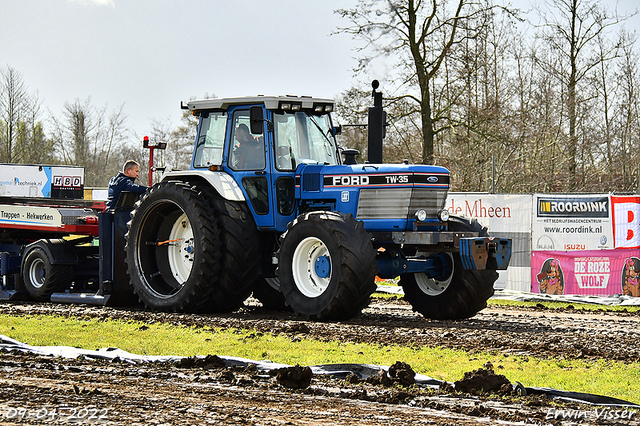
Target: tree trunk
[428,134]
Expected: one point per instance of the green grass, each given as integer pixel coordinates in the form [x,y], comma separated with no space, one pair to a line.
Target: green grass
[602,377]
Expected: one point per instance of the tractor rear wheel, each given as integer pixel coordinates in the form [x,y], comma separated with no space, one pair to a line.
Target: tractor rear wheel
[326,266]
[172,249]
[240,253]
[460,295]
[42,278]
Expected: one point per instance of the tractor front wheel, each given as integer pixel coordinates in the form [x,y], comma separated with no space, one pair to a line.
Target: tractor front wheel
[461,294]
[326,266]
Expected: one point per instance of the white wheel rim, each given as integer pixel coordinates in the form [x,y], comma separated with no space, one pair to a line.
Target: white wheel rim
[37,273]
[431,286]
[304,270]
[181,249]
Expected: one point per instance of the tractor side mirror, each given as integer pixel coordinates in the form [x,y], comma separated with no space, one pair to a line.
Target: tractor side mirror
[256,119]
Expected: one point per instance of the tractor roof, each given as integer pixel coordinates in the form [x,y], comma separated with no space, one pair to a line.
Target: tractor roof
[270,102]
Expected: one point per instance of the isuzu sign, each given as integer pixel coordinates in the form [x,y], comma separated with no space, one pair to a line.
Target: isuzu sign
[573,207]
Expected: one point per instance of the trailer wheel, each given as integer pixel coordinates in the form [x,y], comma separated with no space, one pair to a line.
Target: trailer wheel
[41,278]
[460,295]
[172,249]
[326,266]
[267,291]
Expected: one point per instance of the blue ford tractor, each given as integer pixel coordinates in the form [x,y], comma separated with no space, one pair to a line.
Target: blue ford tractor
[269,207]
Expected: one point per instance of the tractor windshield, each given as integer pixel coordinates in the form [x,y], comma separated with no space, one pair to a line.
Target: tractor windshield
[210,139]
[301,137]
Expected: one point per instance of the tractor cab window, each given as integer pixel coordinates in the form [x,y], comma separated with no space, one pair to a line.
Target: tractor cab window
[301,137]
[210,140]
[247,151]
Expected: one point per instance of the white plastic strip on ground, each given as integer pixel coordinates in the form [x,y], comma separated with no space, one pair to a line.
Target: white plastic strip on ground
[567,298]
[522,296]
[340,370]
[335,370]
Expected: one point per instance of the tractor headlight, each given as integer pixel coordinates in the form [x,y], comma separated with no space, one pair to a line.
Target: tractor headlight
[421,215]
[443,215]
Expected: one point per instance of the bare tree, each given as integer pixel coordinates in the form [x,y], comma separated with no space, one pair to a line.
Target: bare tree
[419,35]
[90,137]
[22,135]
[625,154]
[479,100]
[571,28]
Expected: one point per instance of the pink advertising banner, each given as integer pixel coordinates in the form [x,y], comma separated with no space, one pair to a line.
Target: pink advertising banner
[590,272]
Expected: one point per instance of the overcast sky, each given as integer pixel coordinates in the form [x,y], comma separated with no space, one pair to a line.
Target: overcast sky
[151,54]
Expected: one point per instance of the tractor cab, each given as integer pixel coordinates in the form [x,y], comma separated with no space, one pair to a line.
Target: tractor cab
[260,143]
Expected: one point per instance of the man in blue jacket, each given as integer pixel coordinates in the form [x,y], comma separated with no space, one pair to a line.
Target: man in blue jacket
[124,181]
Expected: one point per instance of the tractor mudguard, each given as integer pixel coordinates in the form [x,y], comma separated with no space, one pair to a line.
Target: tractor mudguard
[220,181]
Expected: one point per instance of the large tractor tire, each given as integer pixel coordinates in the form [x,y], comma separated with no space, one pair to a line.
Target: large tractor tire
[460,295]
[240,253]
[326,266]
[172,249]
[42,278]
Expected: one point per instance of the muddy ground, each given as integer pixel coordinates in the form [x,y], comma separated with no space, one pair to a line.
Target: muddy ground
[41,390]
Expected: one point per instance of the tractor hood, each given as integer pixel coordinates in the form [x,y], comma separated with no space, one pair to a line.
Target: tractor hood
[385,197]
